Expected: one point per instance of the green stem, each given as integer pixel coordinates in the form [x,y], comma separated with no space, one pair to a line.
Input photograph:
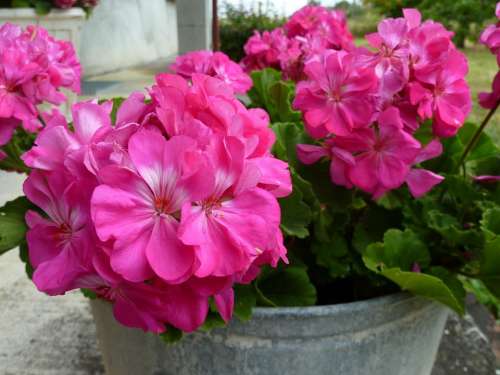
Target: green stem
[477,134]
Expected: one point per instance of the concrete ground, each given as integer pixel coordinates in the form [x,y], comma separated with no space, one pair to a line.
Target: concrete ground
[41,335]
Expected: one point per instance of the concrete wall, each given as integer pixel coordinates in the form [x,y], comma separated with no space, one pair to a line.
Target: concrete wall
[127,33]
[194,18]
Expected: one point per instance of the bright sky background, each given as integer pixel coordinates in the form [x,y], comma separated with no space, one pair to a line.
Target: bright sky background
[282,7]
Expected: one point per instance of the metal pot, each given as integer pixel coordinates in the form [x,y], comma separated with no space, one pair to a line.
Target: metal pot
[392,335]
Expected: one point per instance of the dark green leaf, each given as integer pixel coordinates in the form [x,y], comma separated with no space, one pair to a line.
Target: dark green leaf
[171,335]
[490,266]
[295,215]
[213,320]
[42,7]
[12,225]
[245,300]
[289,286]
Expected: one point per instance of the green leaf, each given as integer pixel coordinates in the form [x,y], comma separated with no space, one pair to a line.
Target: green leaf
[289,286]
[490,266]
[281,97]
[21,3]
[20,142]
[399,250]
[429,286]
[88,293]
[42,7]
[491,221]
[484,147]
[288,136]
[171,335]
[24,256]
[295,215]
[333,255]
[213,320]
[451,230]
[245,300]
[12,225]
[273,94]
[117,102]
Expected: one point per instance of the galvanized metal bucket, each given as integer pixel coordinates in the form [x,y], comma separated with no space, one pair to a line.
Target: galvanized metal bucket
[393,335]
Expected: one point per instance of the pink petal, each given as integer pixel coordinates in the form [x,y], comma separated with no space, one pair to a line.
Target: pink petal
[225,303]
[421,181]
[169,258]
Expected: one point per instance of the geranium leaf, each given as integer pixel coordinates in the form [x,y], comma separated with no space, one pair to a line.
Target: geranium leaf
[430,286]
[399,250]
[490,266]
[289,286]
[295,215]
[245,301]
[12,225]
[484,146]
[171,335]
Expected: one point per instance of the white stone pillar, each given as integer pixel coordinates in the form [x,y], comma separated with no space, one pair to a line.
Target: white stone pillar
[194,24]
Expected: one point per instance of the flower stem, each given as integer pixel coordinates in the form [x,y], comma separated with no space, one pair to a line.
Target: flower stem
[477,134]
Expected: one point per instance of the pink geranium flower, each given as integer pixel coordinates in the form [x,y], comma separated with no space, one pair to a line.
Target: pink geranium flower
[236,221]
[442,92]
[155,202]
[33,68]
[61,245]
[137,210]
[337,98]
[214,64]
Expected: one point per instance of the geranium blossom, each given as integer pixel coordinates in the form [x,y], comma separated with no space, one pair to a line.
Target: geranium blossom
[490,37]
[363,106]
[215,64]
[33,68]
[310,31]
[164,209]
[337,98]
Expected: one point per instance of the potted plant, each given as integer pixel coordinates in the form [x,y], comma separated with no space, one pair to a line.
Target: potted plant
[175,212]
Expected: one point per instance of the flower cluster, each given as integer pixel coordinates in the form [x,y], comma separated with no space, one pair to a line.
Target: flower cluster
[309,31]
[33,68]
[169,206]
[366,105]
[214,64]
[491,39]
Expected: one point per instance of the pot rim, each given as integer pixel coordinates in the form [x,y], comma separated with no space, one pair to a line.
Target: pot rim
[339,308]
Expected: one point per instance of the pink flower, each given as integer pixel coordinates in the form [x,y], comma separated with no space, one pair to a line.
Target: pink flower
[137,210]
[60,245]
[490,37]
[491,99]
[442,92]
[236,222]
[337,96]
[421,181]
[65,4]
[263,50]
[163,210]
[330,25]
[33,68]
[214,64]
[386,159]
